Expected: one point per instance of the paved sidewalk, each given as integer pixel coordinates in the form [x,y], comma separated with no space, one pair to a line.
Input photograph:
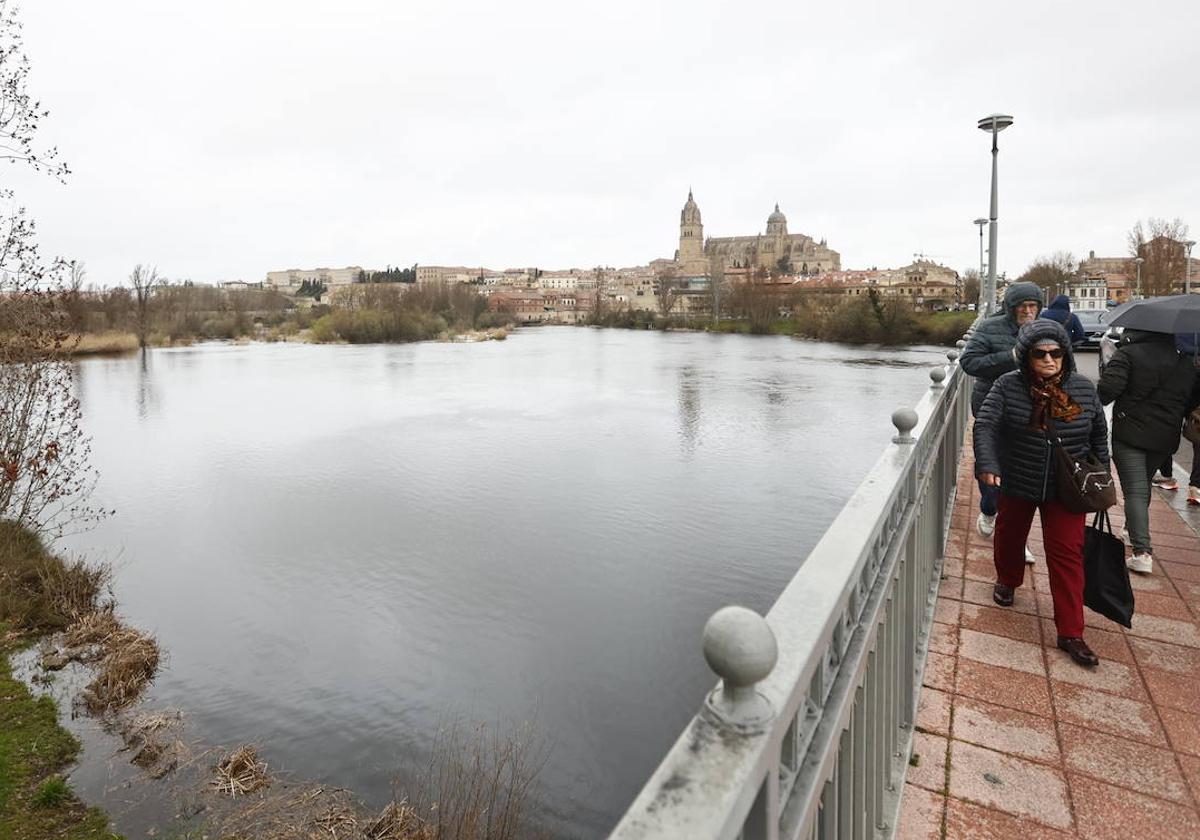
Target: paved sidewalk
[1016,740]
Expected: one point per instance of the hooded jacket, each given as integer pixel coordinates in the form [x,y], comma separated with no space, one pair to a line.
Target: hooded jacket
[1153,387]
[989,353]
[1006,446]
[1060,310]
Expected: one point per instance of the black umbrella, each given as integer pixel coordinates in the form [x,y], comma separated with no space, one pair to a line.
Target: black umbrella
[1172,314]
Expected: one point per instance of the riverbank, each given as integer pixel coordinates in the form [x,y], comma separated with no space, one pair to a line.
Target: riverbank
[38,591]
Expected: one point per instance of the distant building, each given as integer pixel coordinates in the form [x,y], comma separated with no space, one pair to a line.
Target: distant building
[291,279]
[775,250]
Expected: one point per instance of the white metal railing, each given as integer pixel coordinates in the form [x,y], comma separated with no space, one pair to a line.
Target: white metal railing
[808,733]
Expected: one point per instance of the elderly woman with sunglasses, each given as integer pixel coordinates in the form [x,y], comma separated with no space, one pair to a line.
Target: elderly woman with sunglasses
[1044,397]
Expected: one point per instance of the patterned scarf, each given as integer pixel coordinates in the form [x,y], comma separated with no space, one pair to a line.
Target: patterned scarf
[1050,400]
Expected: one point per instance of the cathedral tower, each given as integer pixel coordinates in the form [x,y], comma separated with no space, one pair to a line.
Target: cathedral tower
[691,234]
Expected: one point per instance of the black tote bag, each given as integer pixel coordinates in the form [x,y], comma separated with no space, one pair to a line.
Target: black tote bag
[1106,588]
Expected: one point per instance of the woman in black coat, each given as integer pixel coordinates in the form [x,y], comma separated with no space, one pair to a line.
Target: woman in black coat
[1014,430]
[1152,385]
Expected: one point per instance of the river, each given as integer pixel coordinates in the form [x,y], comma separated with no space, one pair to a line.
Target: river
[339,547]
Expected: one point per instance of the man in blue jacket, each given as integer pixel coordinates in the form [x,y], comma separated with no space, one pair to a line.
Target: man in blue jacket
[990,354]
[1060,310]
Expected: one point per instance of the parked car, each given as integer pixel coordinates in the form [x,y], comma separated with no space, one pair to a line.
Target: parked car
[1108,346]
[1095,325]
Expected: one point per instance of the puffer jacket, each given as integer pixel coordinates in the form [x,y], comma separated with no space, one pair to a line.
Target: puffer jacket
[1060,310]
[1006,446]
[988,354]
[1153,386]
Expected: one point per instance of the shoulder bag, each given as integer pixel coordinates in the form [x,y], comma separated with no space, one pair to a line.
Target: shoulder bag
[1082,485]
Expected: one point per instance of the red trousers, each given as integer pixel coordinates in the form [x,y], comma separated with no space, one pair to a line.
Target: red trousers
[1062,537]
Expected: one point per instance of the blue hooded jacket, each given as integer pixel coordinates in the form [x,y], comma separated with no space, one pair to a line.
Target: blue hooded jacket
[1060,310]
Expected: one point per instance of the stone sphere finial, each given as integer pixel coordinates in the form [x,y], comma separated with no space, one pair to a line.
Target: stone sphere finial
[937,375]
[739,646]
[967,335]
[741,649]
[952,355]
[960,344]
[905,420]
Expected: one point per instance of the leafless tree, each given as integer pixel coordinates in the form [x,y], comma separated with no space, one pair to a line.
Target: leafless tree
[1052,273]
[970,286]
[45,471]
[144,280]
[667,291]
[1160,244]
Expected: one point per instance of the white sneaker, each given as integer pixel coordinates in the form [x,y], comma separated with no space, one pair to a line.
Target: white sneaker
[1029,558]
[986,524]
[1165,483]
[1194,495]
[1140,563]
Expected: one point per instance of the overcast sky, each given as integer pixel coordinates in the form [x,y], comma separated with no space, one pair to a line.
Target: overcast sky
[220,140]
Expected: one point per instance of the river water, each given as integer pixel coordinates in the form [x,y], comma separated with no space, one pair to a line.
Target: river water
[340,547]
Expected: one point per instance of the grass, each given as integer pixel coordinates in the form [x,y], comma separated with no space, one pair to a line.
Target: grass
[104,343]
[38,593]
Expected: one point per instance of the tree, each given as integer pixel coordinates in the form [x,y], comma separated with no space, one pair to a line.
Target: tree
[667,291]
[970,286]
[144,280]
[1053,273]
[1160,244]
[45,471]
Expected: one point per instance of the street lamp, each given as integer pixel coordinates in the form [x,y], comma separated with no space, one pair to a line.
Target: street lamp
[1138,262]
[994,124]
[1187,267]
[980,223]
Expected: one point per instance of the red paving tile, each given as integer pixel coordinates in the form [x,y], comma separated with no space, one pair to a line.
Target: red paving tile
[920,814]
[1183,729]
[1001,622]
[1004,686]
[1105,812]
[939,671]
[1010,784]
[967,821]
[1108,713]
[1005,730]
[1123,762]
[929,755]
[1038,746]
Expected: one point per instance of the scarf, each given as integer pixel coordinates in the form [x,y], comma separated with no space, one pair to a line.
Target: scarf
[1051,401]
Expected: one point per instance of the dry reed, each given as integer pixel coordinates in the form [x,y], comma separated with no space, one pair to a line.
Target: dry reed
[241,772]
[102,343]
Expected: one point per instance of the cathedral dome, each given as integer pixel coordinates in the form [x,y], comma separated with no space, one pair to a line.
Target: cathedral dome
[776,216]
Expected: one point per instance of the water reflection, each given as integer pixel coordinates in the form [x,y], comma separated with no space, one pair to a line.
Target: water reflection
[145,385]
[689,408]
[335,545]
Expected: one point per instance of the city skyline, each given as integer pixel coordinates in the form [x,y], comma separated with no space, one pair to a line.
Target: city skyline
[224,142]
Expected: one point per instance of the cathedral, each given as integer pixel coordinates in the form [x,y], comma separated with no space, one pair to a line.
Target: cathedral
[776,249]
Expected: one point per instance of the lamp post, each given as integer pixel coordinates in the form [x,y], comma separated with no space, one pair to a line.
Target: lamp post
[1138,262]
[980,223]
[993,124]
[1187,267]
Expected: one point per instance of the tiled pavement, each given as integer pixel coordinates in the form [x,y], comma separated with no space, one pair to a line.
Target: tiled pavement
[1015,740]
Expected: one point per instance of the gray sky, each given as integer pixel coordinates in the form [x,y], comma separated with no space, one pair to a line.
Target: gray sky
[222,139]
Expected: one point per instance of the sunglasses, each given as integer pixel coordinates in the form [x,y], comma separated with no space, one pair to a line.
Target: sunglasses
[1037,353]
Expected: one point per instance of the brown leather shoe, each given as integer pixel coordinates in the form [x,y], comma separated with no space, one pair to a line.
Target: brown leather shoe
[1002,595]
[1079,651]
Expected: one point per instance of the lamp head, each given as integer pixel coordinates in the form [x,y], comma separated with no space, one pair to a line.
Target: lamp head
[995,122]
[1139,260]
[980,222]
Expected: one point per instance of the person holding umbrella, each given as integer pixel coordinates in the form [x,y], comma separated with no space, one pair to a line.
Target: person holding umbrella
[1153,388]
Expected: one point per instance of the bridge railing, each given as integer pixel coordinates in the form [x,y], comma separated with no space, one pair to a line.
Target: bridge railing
[809,732]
